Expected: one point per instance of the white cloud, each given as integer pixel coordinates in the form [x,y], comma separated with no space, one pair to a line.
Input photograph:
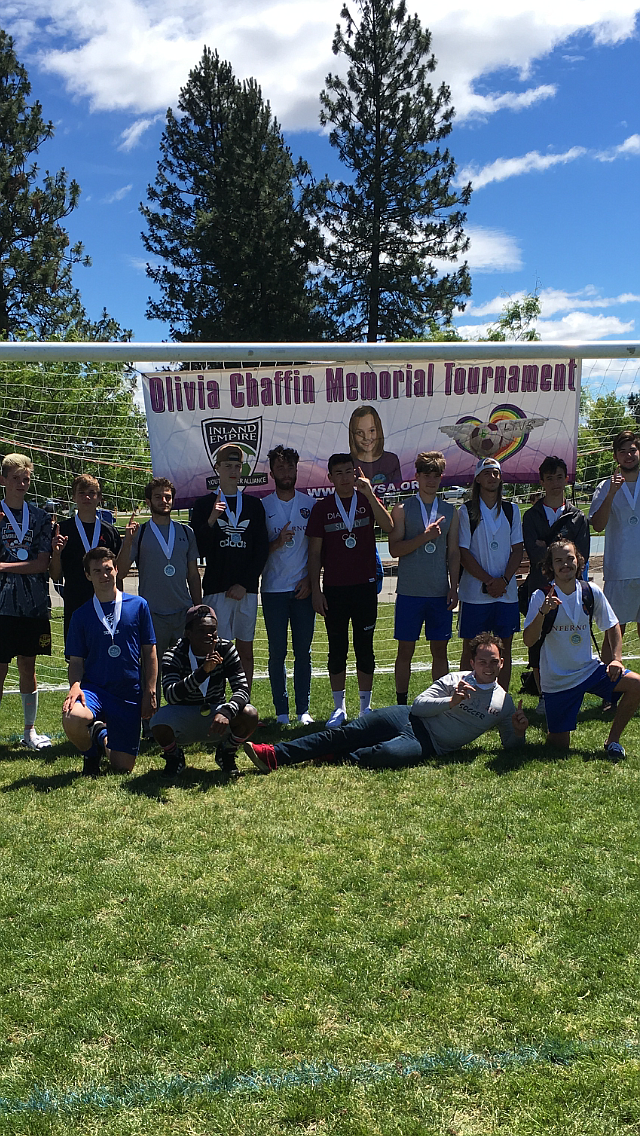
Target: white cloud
[575,327]
[534,161]
[554,300]
[132,135]
[117,195]
[630,146]
[134,55]
[490,250]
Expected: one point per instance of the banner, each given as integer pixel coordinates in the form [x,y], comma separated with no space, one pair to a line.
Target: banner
[516,411]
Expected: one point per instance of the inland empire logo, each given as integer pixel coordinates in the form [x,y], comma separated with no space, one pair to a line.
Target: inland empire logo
[217,432]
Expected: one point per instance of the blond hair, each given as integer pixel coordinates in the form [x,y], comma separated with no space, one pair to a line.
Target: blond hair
[16,461]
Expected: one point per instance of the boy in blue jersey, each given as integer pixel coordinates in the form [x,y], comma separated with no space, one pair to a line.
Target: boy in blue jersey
[113,669]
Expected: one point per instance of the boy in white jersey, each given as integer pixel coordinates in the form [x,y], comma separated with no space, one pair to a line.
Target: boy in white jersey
[569,668]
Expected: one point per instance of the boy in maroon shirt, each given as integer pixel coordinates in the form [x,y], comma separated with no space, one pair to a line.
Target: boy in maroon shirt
[342,542]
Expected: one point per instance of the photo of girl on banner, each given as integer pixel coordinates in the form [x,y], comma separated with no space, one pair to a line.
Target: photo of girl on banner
[366,443]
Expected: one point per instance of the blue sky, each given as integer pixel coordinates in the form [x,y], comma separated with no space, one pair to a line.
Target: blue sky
[547,129]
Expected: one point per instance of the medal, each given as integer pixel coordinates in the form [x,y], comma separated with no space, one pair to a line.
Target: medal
[350,542]
[169,570]
[290,543]
[633,520]
[433,515]
[193,663]
[234,518]
[575,639]
[83,536]
[494,546]
[165,545]
[19,529]
[111,625]
[205,712]
[430,548]
[493,524]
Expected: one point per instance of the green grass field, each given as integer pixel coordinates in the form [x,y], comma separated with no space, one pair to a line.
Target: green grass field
[451,949]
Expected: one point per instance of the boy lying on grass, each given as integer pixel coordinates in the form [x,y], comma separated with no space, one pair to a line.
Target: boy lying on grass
[560,621]
[455,710]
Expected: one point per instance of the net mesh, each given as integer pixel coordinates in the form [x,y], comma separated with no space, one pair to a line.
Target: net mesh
[75,418]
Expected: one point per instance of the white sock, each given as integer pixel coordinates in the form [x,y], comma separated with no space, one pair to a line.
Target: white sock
[30,709]
[338,700]
[365,699]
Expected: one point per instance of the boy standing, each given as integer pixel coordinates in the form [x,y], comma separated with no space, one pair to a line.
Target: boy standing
[25,550]
[342,542]
[425,539]
[490,541]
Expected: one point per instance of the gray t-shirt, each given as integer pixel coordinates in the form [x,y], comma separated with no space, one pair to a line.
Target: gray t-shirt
[449,728]
[165,595]
[622,534]
[422,573]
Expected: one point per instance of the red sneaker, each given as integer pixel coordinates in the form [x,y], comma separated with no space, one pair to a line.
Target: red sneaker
[262,756]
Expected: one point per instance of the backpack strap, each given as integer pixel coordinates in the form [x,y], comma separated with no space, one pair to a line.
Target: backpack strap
[588,605]
[474,521]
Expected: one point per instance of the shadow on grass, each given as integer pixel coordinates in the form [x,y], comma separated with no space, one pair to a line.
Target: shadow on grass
[512,760]
[152,783]
[43,784]
[16,752]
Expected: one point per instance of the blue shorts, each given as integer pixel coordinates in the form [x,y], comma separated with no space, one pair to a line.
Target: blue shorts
[122,719]
[414,611]
[563,706]
[499,618]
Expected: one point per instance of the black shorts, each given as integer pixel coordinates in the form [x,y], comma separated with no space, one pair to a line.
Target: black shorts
[22,636]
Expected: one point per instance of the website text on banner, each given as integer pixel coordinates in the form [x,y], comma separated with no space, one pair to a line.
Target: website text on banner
[516,411]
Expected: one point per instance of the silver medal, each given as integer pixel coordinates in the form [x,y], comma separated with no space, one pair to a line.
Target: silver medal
[576,639]
[350,541]
[633,520]
[430,547]
[114,651]
[494,546]
[290,543]
[22,554]
[169,570]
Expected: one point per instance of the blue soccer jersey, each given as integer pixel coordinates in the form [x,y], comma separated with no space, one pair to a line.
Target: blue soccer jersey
[89,640]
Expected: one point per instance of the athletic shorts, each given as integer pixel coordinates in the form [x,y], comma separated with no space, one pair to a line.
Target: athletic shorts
[414,612]
[121,718]
[22,636]
[236,618]
[563,706]
[624,597]
[189,724]
[499,618]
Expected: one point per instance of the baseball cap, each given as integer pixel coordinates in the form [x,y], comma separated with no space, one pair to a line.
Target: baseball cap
[198,611]
[487,463]
[229,453]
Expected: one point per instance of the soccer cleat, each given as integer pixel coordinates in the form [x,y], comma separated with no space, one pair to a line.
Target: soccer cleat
[175,764]
[91,766]
[614,749]
[338,718]
[282,719]
[226,759]
[367,710]
[262,756]
[305,719]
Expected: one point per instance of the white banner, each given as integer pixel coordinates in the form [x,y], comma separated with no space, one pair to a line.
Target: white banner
[517,411]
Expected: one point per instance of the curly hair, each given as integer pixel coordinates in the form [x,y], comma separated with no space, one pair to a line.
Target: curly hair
[546,566]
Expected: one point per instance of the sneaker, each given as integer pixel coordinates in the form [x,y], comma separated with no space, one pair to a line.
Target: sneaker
[226,759]
[262,756]
[540,708]
[367,710]
[282,719]
[338,718]
[615,750]
[36,741]
[91,766]
[305,719]
[175,764]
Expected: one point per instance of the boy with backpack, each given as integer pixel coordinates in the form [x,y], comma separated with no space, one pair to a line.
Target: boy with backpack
[490,540]
[559,620]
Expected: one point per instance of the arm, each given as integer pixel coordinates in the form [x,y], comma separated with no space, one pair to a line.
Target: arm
[194,583]
[28,567]
[126,554]
[75,672]
[438,698]
[237,681]
[535,546]
[513,726]
[380,514]
[315,563]
[58,543]
[600,518]
[616,666]
[533,630]
[398,546]
[150,664]
[453,561]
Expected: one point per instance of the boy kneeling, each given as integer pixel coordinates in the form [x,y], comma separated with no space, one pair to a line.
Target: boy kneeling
[560,621]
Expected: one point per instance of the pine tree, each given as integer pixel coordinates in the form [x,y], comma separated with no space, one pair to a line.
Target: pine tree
[228,218]
[37,296]
[399,213]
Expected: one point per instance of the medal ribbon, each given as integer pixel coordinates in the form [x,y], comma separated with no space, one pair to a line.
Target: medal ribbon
[488,515]
[632,500]
[433,515]
[112,624]
[165,545]
[348,520]
[282,513]
[233,517]
[19,530]
[193,662]
[83,536]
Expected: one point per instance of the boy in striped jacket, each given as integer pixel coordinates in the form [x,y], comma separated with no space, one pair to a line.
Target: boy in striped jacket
[194,679]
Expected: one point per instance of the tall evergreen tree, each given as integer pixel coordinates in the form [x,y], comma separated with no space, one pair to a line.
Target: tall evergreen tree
[36,259]
[227,218]
[399,213]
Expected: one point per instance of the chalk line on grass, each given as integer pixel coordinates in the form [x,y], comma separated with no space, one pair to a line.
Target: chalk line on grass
[152,1090]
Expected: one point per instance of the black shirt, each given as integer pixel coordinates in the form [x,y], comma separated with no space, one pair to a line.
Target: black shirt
[77,589]
[234,556]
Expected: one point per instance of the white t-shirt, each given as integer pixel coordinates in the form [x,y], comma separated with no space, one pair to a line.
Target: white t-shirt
[553,514]
[286,567]
[622,534]
[567,657]
[493,560]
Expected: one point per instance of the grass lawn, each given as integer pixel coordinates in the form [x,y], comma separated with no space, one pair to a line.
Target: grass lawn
[161,942]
